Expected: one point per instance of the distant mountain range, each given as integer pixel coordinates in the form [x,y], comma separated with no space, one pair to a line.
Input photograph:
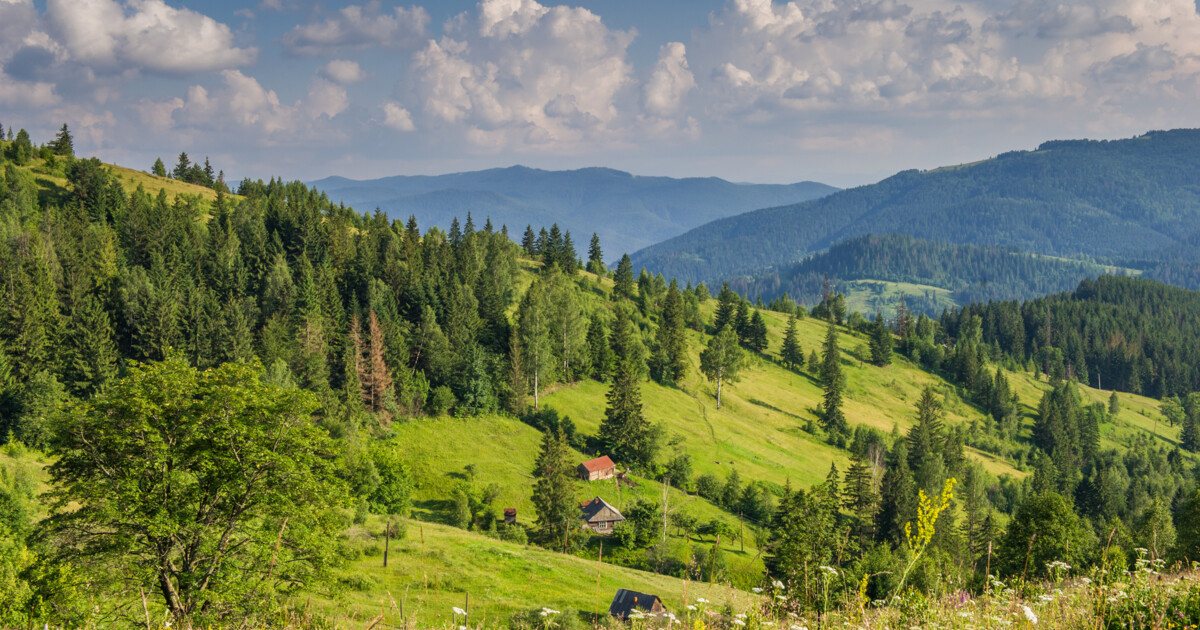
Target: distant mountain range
[1135,203]
[628,212]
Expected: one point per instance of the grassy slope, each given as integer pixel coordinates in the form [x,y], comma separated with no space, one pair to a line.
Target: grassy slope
[435,566]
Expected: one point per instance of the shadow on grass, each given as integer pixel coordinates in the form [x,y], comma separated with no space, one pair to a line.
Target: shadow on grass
[764,405]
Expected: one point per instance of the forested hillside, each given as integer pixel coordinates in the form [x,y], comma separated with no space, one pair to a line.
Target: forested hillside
[629,212]
[1126,201]
[251,410]
[970,273]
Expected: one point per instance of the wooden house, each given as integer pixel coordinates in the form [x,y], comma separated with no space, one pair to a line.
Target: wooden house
[510,516]
[600,468]
[626,601]
[599,516]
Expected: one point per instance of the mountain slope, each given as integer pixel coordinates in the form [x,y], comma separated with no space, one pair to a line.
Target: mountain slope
[1124,199]
[627,211]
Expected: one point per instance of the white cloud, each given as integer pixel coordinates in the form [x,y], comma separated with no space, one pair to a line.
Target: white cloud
[396,117]
[670,82]
[325,98]
[360,26]
[521,73]
[343,71]
[25,93]
[143,34]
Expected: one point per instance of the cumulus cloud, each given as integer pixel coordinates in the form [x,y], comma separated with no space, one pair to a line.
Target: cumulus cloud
[670,82]
[142,34]
[760,59]
[360,26]
[396,117]
[520,73]
[342,71]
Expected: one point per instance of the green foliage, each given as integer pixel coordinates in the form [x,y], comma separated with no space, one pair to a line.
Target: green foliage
[833,419]
[721,361]
[1045,529]
[554,490]
[188,484]
[624,431]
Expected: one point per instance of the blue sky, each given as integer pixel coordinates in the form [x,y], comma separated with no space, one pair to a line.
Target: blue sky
[840,91]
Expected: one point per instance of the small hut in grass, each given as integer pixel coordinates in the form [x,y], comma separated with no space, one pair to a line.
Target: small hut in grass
[626,601]
[599,516]
[600,468]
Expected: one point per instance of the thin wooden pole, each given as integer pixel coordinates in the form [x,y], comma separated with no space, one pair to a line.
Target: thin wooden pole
[599,559]
[387,540]
[145,608]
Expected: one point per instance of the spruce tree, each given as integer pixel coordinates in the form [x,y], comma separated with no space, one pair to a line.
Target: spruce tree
[791,353]
[182,167]
[599,353]
[925,443]
[722,359]
[554,490]
[624,430]
[671,341]
[860,498]
[898,497]
[758,332]
[741,321]
[62,144]
[833,420]
[567,258]
[529,241]
[623,279]
[881,342]
[595,257]
[159,169]
[1189,434]
[92,353]
[726,312]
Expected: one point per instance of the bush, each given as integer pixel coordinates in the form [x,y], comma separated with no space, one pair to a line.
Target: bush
[441,399]
[514,534]
[709,487]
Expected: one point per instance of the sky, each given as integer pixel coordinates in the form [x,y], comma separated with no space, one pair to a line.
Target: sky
[840,91]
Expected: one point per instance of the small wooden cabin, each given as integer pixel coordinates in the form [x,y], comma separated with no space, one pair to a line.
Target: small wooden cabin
[510,516]
[599,516]
[600,468]
[626,601]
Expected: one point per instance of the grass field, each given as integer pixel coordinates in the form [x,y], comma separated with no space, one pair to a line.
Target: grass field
[435,567]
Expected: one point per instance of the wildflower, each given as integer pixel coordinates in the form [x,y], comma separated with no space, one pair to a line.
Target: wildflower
[1085,580]
[798,628]
[1046,598]
[165,625]
[829,570]
[740,616]
[1029,614]
[756,589]
[739,622]
[702,600]
[777,584]
[691,607]
[459,611]
[781,598]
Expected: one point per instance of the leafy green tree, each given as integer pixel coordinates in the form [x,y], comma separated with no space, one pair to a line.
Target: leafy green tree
[721,360]
[554,489]
[624,430]
[1043,530]
[803,537]
[881,342]
[833,419]
[537,347]
[1156,531]
[791,353]
[210,490]
[21,149]
[1114,404]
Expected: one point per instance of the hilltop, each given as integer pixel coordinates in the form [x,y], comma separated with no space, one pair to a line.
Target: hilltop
[627,211]
[1131,202]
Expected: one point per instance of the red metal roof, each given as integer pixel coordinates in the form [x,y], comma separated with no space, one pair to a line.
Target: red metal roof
[598,464]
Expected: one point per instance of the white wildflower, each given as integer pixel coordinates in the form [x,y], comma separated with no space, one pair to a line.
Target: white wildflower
[740,616]
[756,589]
[1029,614]
[777,584]
[781,598]
[829,570]
[691,607]
[459,611]
[739,622]
[702,600]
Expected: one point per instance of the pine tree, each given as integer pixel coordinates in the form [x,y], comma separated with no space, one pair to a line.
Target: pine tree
[758,332]
[182,167]
[860,499]
[881,342]
[814,362]
[1189,435]
[599,353]
[623,279]
[624,429]
[833,420]
[671,340]
[529,241]
[925,443]
[722,359]
[791,353]
[741,321]
[595,256]
[726,311]
[898,496]
[1114,404]
[159,169]
[568,259]
[554,490]
[63,144]
[567,327]
[92,353]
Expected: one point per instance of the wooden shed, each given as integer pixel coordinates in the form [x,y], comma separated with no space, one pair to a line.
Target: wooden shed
[626,601]
[600,468]
[510,516]
[599,516]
